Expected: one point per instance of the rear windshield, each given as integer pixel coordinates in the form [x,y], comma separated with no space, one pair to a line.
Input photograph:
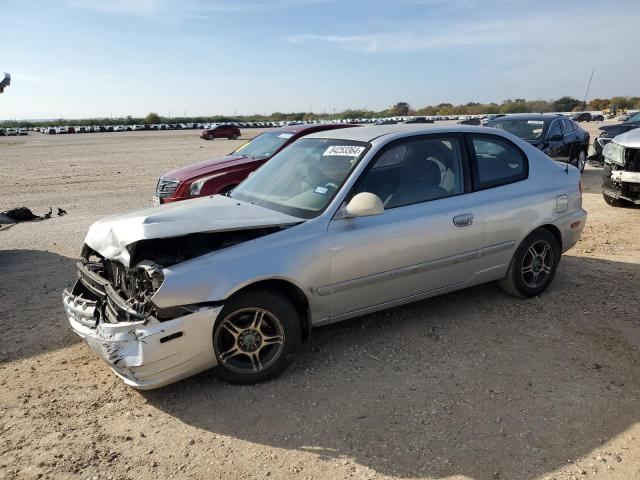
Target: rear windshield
[525,129]
[263,146]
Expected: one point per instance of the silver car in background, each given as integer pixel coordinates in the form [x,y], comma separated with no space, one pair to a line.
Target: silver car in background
[340,224]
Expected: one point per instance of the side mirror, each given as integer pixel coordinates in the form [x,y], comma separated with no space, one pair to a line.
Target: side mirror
[555,138]
[363,205]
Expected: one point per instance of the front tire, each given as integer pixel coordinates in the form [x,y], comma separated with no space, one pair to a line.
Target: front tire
[614,202]
[533,266]
[256,336]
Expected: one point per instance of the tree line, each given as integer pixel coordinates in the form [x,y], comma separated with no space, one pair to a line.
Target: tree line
[517,105]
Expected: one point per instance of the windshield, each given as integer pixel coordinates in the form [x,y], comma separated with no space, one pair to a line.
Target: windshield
[525,129]
[303,178]
[634,118]
[263,146]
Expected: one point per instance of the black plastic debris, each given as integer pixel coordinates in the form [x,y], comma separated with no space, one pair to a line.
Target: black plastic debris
[23,214]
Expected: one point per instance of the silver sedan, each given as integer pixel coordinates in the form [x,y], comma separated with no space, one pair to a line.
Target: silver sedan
[339,224]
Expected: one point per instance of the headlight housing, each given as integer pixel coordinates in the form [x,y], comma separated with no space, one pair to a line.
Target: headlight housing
[196,187]
[613,153]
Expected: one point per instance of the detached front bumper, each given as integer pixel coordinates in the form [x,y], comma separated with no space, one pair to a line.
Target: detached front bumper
[621,184]
[145,353]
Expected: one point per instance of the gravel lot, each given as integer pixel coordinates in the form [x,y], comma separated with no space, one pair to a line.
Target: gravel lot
[470,385]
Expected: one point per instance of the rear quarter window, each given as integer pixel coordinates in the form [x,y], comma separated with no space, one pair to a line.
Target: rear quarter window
[496,162]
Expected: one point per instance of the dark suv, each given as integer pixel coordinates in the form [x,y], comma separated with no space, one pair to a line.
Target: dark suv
[559,137]
[224,130]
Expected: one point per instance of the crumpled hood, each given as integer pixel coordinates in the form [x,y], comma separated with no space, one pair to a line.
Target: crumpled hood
[630,139]
[111,235]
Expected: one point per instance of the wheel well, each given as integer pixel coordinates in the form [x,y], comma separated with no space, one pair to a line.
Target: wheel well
[293,294]
[555,231]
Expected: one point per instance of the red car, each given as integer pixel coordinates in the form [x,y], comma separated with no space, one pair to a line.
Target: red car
[221,131]
[223,174]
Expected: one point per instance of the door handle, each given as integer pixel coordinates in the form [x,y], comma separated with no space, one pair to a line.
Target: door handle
[463,220]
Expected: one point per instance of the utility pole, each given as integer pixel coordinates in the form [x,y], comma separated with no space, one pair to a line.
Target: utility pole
[584,102]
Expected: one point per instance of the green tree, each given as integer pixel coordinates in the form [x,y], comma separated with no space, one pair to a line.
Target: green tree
[598,104]
[566,104]
[152,118]
[400,109]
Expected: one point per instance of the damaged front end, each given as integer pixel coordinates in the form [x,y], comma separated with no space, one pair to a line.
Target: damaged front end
[111,308]
[114,304]
[621,173]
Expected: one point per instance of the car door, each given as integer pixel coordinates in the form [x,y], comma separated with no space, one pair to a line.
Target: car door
[556,147]
[571,138]
[427,238]
[500,173]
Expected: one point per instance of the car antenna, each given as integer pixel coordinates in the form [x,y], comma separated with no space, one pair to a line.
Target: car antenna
[584,107]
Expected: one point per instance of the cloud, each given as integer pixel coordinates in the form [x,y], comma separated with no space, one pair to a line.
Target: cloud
[407,42]
[523,36]
[187,9]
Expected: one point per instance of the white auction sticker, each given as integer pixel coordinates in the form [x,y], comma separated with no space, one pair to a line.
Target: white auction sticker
[535,122]
[343,150]
[285,135]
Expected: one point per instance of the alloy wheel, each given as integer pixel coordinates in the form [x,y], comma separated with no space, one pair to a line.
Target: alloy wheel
[249,340]
[537,263]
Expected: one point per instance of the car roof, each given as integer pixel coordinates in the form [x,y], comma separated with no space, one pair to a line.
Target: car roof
[308,126]
[533,116]
[370,133]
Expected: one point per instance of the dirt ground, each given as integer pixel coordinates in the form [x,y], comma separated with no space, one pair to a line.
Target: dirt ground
[470,385]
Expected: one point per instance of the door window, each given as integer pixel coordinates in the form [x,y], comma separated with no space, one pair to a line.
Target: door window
[567,126]
[415,171]
[554,129]
[497,162]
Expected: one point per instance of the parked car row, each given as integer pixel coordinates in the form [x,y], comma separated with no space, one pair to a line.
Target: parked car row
[9,132]
[110,128]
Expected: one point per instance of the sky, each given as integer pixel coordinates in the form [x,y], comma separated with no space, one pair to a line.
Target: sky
[101,58]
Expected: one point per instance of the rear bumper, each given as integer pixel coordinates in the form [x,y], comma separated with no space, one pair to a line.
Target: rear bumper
[144,353]
[571,227]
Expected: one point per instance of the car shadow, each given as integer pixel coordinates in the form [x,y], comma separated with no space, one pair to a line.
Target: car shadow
[32,319]
[591,180]
[472,383]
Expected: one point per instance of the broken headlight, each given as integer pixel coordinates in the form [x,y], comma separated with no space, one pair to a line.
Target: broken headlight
[613,153]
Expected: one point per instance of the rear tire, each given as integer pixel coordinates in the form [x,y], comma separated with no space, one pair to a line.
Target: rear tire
[581,160]
[533,266]
[256,335]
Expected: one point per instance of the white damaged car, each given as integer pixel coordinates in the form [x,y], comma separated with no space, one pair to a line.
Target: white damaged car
[340,224]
